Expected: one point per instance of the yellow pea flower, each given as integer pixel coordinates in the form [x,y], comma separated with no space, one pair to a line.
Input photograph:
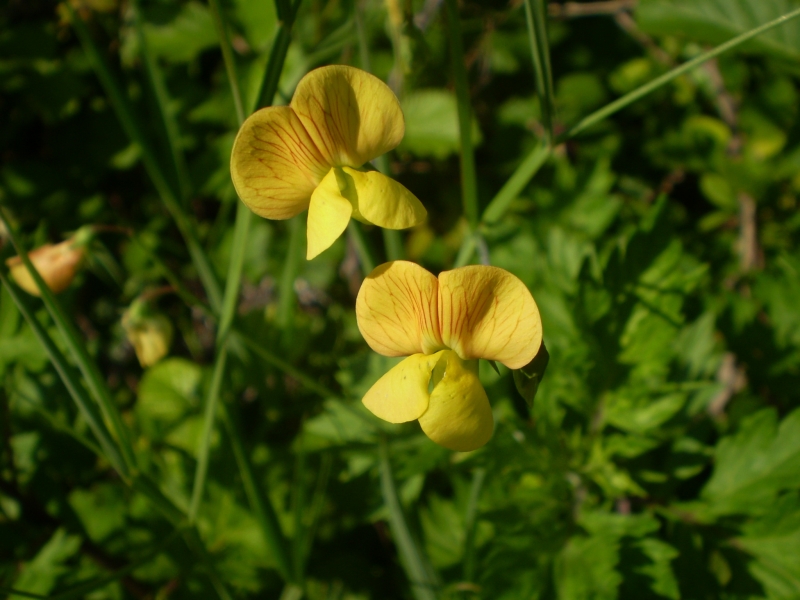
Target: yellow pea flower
[444,325]
[310,154]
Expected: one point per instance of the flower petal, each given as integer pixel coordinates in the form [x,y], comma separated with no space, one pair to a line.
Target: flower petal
[382,201]
[328,215]
[275,165]
[396,310]
[402,394]
[352,116]
[459,416]
[486,312]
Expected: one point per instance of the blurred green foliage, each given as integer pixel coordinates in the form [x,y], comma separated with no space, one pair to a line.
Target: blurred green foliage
[661,455]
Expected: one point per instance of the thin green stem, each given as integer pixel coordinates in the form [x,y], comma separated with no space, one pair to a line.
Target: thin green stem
[230,300]
[262,507]
[277,56]
[298,509]
[209,414]
[88,368]
[515,184]
[422,584]
[535,18]
[470,523]
[647,88]
[469,181]
[286,300]
[361,247]
[156,78]
[227,57]
[467,250]
[132,128]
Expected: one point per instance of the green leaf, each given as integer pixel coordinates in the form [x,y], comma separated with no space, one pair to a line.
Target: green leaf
[432,124]
[715,21]
[774,541]
[41,574]
[528,378]
[185,37]
[754,465]
[167,391]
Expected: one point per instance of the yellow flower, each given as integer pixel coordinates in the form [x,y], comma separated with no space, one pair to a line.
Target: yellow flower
[444,325]
[57,264]
[309,155]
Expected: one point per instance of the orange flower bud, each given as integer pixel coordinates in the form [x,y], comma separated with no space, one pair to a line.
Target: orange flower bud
[57,264]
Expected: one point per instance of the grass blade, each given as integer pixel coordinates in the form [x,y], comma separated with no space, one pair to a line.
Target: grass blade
[156,78]
[470,521]
[262,507]
[88,368]
[422,585]
[227,57]
[536,20]
[658,82]
[362,248]
[132,128]
[515,184]
[286,300]
[74,387]
[277,55]
[469,181]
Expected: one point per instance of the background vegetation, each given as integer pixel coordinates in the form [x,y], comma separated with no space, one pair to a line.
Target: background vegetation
[661,456]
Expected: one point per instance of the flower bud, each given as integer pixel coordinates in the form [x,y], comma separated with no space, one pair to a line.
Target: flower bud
[57,264]
[150,334]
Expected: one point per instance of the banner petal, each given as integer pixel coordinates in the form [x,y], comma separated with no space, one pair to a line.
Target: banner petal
[328,215]
[352,116]
[401,395]
[396,310]
[459,416]
[275,165]
[486,312]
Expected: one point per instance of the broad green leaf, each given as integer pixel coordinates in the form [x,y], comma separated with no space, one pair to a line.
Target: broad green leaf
[101,509]
[167,391]
[185,37]
[752,466]
[774,542]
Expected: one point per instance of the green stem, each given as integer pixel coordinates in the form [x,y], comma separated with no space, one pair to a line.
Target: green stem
[422,584]
[647,88]
[262,507]
[156,78]
[277,56]
[469,181]
[515,184]
[286,300]
[209,414]
[535,18]
[227,57]
[361,247]
[470,522]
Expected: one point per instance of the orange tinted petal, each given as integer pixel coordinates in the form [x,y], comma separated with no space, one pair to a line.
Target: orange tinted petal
[352,116]
[396,310]
[486,312]
[56,263]
[275,165]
